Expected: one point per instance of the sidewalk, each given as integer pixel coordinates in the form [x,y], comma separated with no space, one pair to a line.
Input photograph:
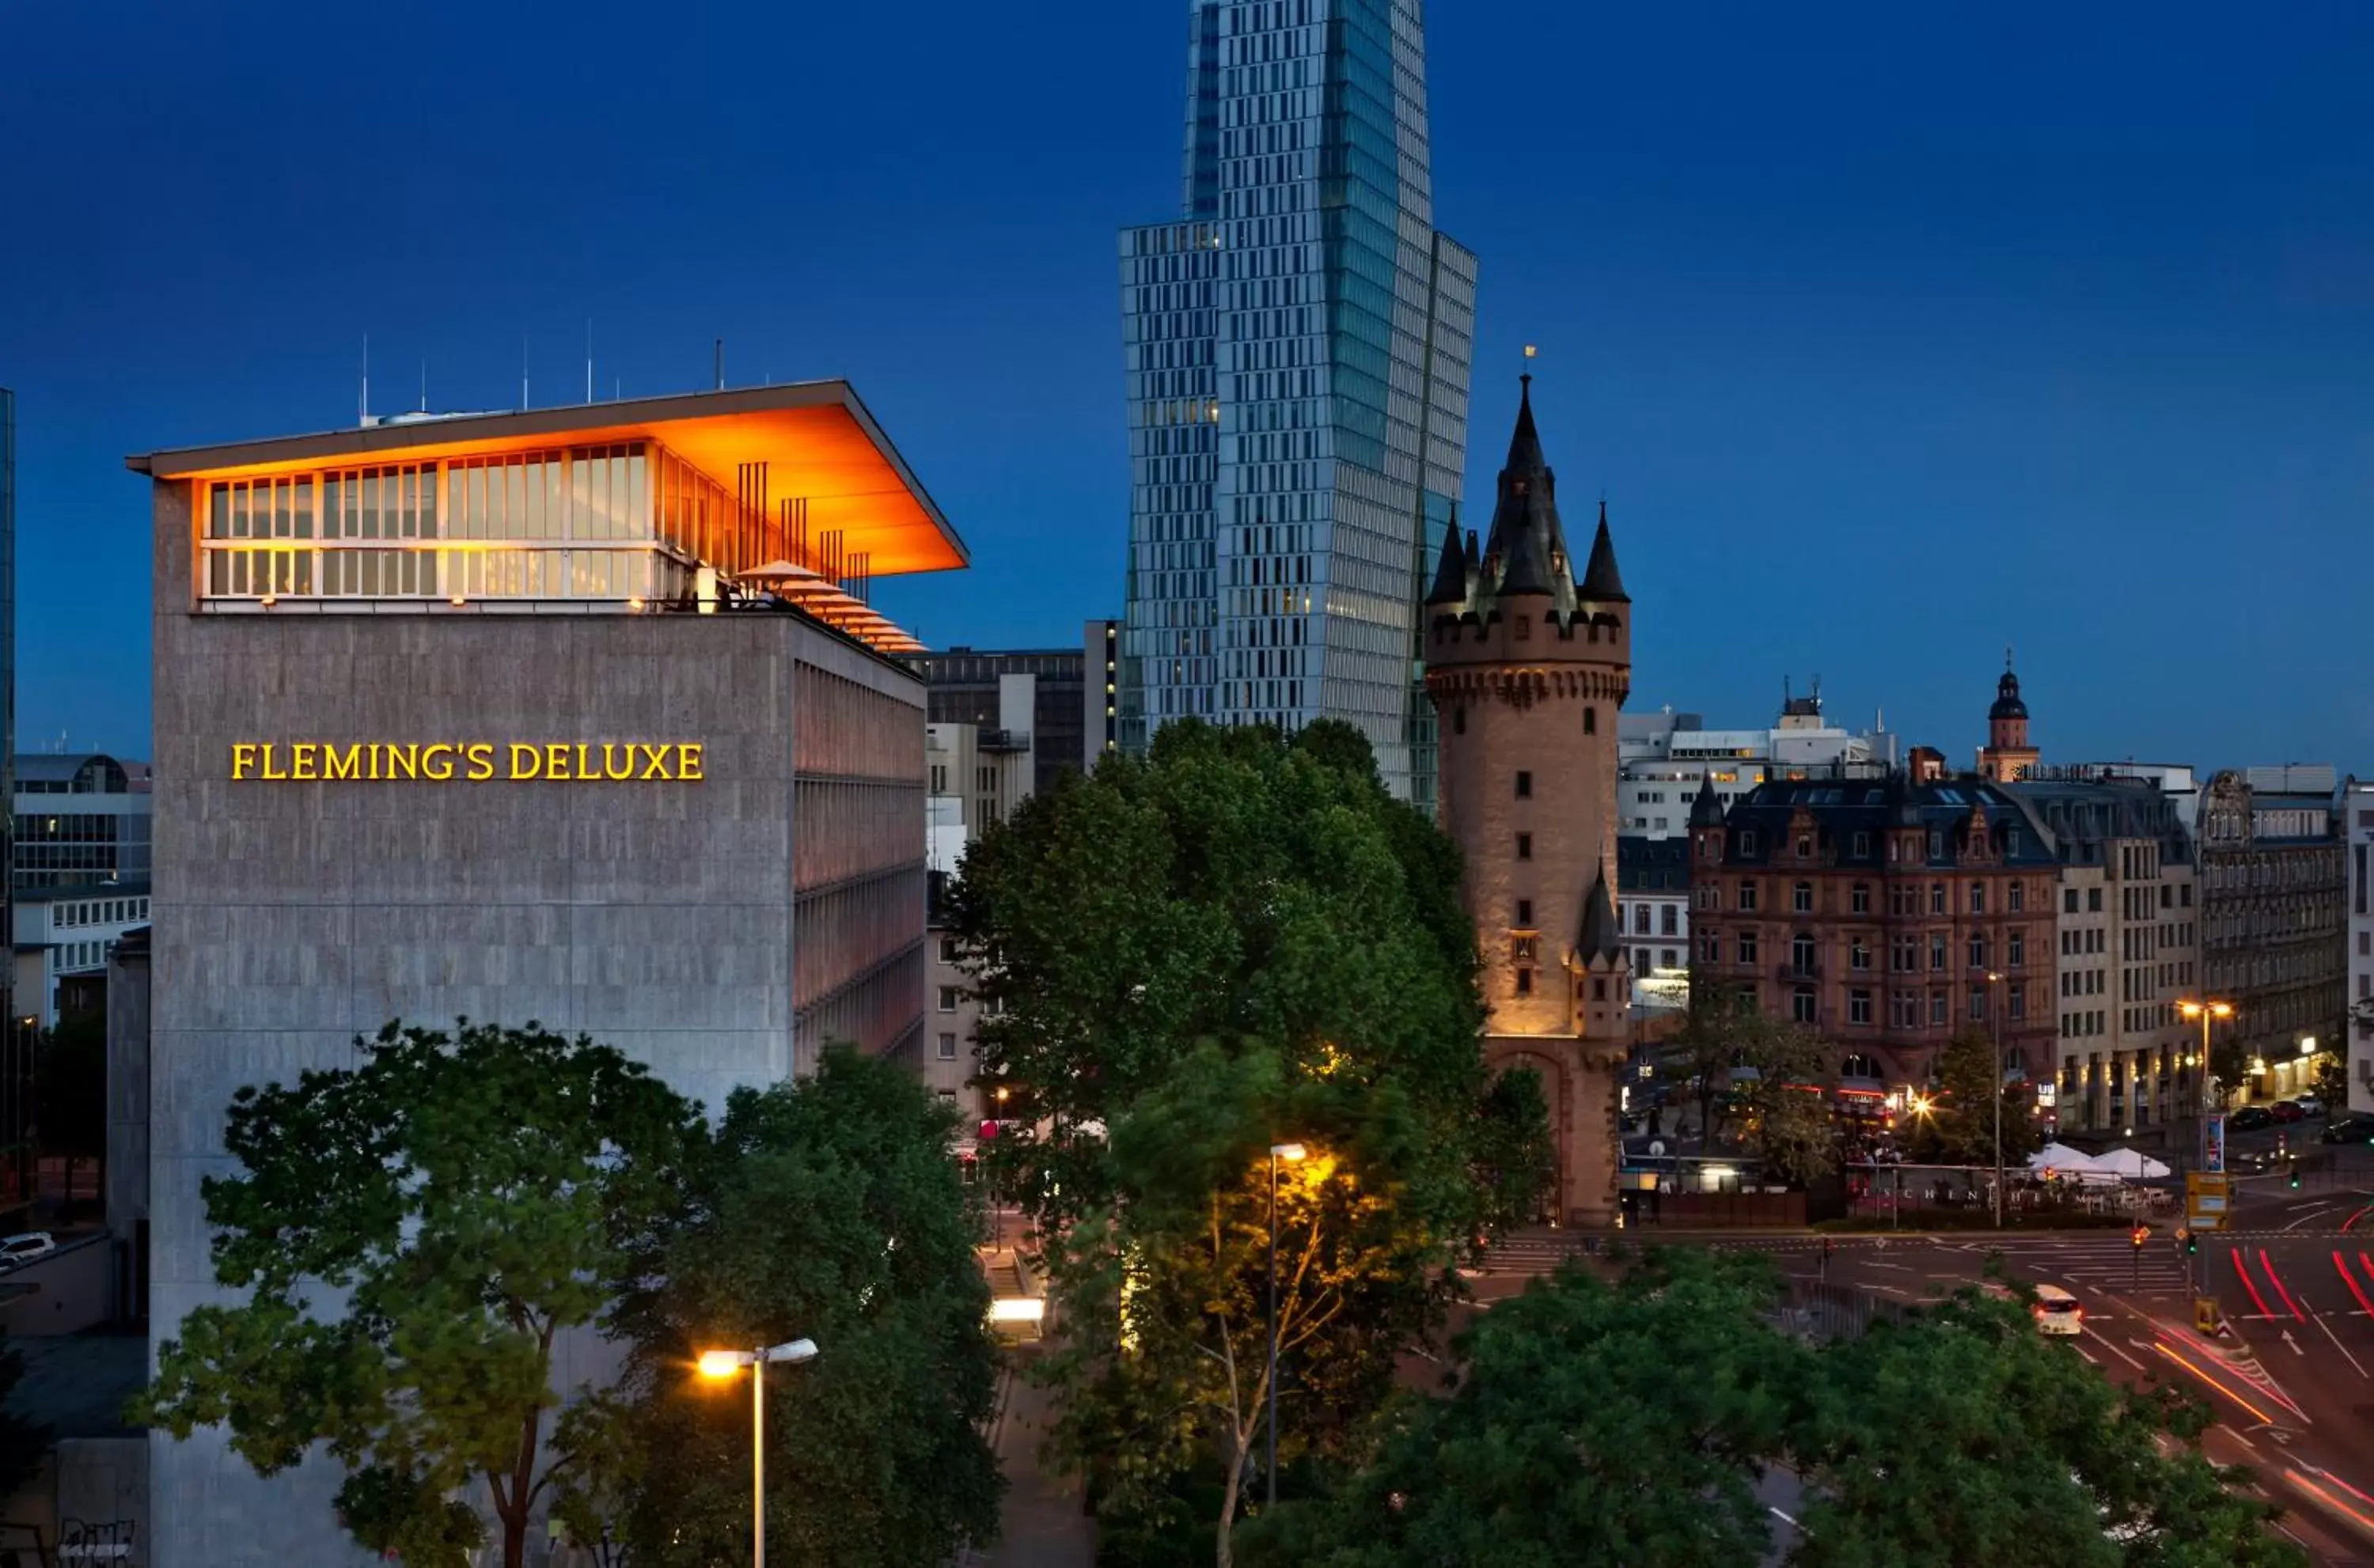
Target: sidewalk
[1044,1524]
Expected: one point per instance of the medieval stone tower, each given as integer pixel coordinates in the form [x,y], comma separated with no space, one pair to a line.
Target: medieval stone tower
[1527,666]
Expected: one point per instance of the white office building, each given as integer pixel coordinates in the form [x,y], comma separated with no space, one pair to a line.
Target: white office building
[1663,757]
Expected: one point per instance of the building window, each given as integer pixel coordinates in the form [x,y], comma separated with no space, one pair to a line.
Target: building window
[1861,899]
[1524,846]
[1641,920]
[1978,953]
[1804,847]
[948,999]
[1858,1007]
[2068,900]
[1666,957]
[1599,991]
[1978,899]
[1524,982]
[1936,845]
[2017,943]
[1978,1004]
[1748,841]
[1524,786]
[1857,955]
[2015,997]
[1800,897]
[1747,894]
[1936,1010]
[1669,921]
[1801,1004]
[1525,911]
[1801,955]
[1936,897]
[1747,947]
[2092,900]
[948,950]
[1591,720]
[1937,951]
[1710,949]
[1459,721]
[1862,846]
[2018,896]
[1641,962]
[1522,946]
[948,1047]
[2184,896]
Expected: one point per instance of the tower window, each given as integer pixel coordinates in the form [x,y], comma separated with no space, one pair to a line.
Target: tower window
[1599,991]
[1524,786]
[1524,982]
[1459,721]
[1591,720]
[1525,912]
[1524,846]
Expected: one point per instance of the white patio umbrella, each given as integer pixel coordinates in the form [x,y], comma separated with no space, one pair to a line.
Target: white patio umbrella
[2061,1160]
[2132,1163]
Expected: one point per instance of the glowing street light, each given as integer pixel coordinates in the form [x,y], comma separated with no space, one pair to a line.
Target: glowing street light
[720,1365]
[1292,1153]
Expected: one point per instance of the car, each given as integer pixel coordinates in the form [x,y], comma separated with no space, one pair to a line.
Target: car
[2310,1105]
[2348,1129]
[2249,1118]
[2287,1111]
[18,1250]
[2252,1162]
[2057,1312]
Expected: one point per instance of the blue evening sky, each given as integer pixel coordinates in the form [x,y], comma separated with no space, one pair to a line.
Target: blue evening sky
[1894,334]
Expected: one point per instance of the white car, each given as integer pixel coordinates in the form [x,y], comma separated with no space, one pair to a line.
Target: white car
[2057,1312]
[2309,1103]
[18,1250]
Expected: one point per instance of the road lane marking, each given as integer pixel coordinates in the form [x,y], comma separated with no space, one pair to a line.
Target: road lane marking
[2311,1215]
[2104,1341]
[2238,1437]
[2277,1281]
[2338,1345]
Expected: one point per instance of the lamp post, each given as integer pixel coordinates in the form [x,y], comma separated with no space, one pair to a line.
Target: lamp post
[1291,1154]
[1994,1027]
[722,1365]
[996,1209]
[2208,1010]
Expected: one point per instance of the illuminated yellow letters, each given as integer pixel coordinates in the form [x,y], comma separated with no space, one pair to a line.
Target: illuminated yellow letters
[481,757]
[688,767]
[617,762]
[654,760]
[407,757]
[441,762]
[527,762]
[275,777]
[341,762]
[300,759]
[556,761]
[432,769]
[242,757]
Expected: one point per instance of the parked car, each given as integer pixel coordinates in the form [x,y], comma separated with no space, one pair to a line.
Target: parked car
[2348,1129]
[2057,1312]
[2309,1103]
[2249,1118]
[18,1250]
[2287,1111]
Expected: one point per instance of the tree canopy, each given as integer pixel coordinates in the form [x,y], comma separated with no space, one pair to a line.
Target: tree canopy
[826,1210]
[1635,1422]
[410,1235]
[1960,1129]
[1238,941]
[1765,1076]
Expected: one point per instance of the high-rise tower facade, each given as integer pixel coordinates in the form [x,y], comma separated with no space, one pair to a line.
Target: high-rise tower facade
[1298,346]
[1528,662]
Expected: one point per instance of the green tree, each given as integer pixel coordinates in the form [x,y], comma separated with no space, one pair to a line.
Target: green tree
[1766,1076]
[460,1201]
[1588,1422]
[1961,1128]
[1514,1161]
[1962,1438]
[1234,941]
[826,1210]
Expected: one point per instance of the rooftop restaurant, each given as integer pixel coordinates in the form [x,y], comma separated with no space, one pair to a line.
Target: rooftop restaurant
[784,498]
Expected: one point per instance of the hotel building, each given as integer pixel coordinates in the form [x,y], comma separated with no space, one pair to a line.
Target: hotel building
[572,715]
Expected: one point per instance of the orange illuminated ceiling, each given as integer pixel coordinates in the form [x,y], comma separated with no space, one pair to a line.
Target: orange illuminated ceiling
[818,441]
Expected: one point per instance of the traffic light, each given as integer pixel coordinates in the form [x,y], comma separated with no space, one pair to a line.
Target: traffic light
[2292,1173]
[2192,1244]
[2140,1234]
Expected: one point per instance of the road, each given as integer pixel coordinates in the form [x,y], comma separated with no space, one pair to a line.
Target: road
[2295,1280]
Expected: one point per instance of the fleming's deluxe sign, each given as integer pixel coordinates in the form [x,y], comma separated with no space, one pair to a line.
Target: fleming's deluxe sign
[472,762]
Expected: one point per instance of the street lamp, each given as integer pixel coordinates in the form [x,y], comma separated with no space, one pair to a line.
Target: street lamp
[2208,1010]
[1292,1153]
[718,1366]
[1994,1026]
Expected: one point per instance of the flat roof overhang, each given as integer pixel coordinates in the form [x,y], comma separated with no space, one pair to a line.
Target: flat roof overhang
[817,440]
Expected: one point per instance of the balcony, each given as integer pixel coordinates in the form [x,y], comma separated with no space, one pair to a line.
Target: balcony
[1004,741]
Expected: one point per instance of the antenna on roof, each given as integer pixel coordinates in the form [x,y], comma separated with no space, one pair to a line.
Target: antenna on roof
[363,414]
[424,386]
[523,370]
[589,358]
[717,349]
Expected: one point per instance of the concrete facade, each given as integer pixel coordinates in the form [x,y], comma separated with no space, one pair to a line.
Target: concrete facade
[2274,925]
[2357,828]
[722,921]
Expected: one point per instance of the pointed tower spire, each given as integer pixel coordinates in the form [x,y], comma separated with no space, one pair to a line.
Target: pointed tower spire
[1706,811]
[1451,571]
[1601,581]
[1525,444]
[1602,935]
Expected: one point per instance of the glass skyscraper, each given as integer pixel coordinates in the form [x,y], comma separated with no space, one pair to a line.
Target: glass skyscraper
[1298,348]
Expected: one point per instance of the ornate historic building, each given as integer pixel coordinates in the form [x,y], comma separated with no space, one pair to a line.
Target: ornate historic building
[1527,667]
[1888,911]
[2273,917]
[2007,758]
